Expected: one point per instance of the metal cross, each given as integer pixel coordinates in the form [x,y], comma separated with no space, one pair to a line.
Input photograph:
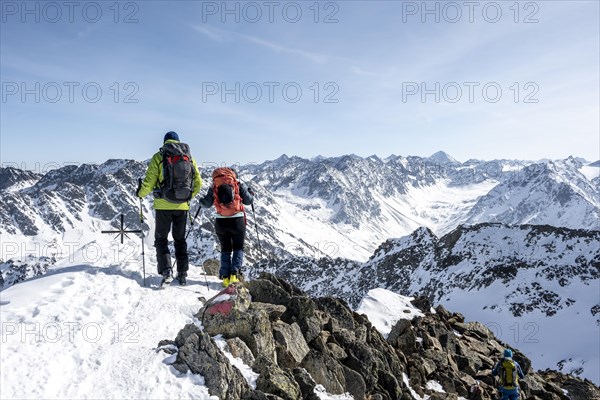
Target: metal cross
[122,232]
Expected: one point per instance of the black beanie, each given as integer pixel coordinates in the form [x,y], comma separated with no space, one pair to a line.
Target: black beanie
[171,135]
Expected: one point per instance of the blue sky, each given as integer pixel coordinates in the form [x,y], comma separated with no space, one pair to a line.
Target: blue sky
[366,77]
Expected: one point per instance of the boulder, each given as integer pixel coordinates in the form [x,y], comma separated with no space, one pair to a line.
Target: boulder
[265,291]
[229,314]
[274,311]
[239,349]
[326,371]
[199,354]
[306,383]
[211,267]
[275,380]
[289,343]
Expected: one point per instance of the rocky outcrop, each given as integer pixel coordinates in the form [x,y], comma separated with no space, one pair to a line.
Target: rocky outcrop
[294,343]
[441,347]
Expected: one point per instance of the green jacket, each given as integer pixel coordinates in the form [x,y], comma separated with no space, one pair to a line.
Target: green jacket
[154,175]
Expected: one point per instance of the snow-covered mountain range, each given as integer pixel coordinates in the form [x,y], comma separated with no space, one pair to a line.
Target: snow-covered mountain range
[505,242]
[532,284]
[343,206]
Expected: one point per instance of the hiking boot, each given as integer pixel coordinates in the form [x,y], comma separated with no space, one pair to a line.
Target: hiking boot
[182,278]
[167,277]
[226,282]
[233,279]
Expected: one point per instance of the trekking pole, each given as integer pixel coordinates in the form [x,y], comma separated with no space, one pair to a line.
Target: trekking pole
[142,230]
[202,249]
[256,227]
[192,222]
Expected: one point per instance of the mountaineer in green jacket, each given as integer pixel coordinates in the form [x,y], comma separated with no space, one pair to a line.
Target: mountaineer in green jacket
[174,179]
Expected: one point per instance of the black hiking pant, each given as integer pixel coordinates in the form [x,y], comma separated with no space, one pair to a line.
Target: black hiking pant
[231,233]
[164,220]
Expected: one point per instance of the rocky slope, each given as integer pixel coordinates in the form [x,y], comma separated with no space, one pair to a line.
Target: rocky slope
[531,260]
[294,343]
[526,282]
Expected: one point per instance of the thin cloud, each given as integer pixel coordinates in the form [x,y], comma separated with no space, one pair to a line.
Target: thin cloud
[221,35]
[319,58]
[362,72]
[218,35]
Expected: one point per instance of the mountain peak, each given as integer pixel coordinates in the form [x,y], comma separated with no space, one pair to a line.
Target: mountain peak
[442,157]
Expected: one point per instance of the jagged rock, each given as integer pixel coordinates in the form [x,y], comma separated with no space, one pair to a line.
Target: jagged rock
[239,349]
[336,351]
[200,355]
[355,384]
[275,380]
[285,285]
[326,371]
[306,383]
[485,376]
[299,308]
[167,343]
[376,361]
[422,303]
[320,342]
[265,291]
[229,314]
[302,310]
[443,396]
[577,388]
[274,311]
[430,342]
[261,363]
[476,329]
[480,347]
[290,344]
[338,309]
[168,346]
[442,312]
[234,299]
[403,337]
[429,367]
[211,267]
[258,395]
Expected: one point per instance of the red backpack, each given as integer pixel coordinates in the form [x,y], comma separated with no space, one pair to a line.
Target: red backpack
[226,192]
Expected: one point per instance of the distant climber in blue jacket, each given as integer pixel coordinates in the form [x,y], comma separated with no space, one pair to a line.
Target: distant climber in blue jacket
[509,372]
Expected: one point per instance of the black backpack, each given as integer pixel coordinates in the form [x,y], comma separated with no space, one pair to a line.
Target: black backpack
[178,173]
